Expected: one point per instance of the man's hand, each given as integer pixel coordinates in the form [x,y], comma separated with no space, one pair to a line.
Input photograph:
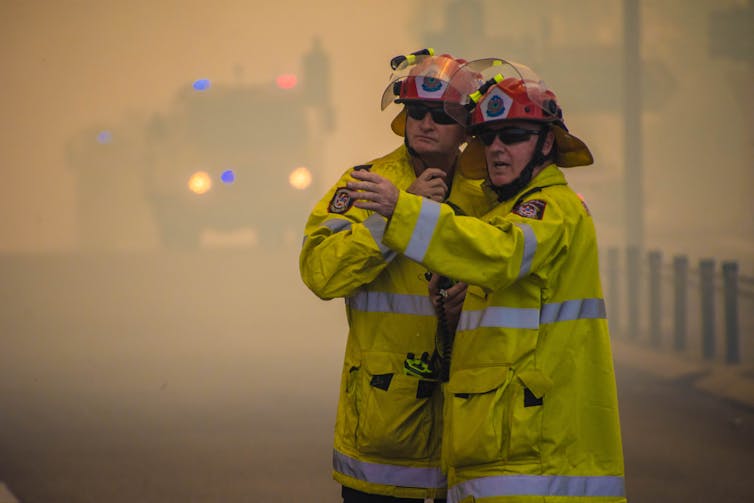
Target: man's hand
[451,298]
[373,192]
[430,184]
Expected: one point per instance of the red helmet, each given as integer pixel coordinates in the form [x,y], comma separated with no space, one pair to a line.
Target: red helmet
[509,99]
[422,76]
[512,91]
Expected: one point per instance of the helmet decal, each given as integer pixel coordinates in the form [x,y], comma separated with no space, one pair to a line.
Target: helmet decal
[430,87]
[496,105]
[431,84]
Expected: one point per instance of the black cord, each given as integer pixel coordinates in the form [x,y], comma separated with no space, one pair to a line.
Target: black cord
[444,337]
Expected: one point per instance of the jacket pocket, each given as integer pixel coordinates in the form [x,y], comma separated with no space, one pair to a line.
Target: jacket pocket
[348,412]
[477,403]
[528,392]
[395,413]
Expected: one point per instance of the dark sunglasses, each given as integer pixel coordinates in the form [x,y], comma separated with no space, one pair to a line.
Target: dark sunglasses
[417,112]
[508,135]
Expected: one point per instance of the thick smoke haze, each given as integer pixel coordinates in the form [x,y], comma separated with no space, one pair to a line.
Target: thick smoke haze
[158,345]
[75,68]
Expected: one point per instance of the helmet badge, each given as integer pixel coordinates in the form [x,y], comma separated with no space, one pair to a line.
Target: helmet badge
[497,105]
[430,87]
[431,84]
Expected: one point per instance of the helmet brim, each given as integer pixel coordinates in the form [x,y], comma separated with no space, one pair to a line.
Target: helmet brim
[572,152]
[399,123]
[472,163]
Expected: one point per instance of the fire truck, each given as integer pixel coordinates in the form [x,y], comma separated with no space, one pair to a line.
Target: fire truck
[221,157]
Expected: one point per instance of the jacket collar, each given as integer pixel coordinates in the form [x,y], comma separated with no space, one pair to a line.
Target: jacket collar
[550,175]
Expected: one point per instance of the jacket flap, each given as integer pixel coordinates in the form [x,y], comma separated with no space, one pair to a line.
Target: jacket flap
[536,381]
[476,291]
[380,363]
[477,380]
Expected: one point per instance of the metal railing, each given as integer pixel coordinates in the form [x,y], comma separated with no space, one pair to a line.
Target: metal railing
[690,310]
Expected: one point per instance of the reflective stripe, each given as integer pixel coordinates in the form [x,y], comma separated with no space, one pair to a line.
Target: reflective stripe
[530,247]
[389,475]
[376,224]
[573,310]
[337,224]
[537,485]
[384,302]
[526,317]
[425,227]
[502,317]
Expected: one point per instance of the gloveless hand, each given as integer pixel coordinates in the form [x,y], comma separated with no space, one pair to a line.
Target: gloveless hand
[430,184]
[373,192]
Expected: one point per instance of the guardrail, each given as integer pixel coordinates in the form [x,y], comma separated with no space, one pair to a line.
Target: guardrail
[691,310]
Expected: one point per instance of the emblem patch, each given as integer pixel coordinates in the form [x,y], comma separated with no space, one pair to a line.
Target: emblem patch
[431,84]
[430,87]
[495,106]
[531,209]
[340,202]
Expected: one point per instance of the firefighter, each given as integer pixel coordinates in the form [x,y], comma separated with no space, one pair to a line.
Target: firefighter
[388,424]
[531,410]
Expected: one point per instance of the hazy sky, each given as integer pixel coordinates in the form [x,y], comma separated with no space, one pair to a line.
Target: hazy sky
[72,65]
[115,343]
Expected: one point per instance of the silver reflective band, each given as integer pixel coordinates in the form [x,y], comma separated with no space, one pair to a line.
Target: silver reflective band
[337,224]
[384,302]
[526,317]
[334,224]
[530,247]
[573,310]
[537,485]
[425,227]
[389,475]
[376,224]
[502,317]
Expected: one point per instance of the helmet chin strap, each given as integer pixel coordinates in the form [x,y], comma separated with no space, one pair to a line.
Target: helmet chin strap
[507,191]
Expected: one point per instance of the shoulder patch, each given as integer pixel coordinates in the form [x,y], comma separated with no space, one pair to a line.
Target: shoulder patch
[534,208]
[341,201]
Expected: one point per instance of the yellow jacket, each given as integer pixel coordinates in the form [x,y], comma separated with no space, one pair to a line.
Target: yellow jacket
[531,410]
[387,430]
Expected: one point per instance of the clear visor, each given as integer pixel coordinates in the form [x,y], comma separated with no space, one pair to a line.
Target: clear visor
[421,67]
[487,72]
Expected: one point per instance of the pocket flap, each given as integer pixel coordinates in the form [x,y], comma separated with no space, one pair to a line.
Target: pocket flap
[477,380]
[477,291]
[536,381]
[380,363]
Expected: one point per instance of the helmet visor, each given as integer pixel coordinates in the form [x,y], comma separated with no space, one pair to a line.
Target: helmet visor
[486,73]
[420,78]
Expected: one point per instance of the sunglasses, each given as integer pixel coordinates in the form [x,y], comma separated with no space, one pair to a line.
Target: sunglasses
[508,135]
[418,111]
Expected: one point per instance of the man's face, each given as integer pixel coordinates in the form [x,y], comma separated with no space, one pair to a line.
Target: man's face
[427,132]
[509,147]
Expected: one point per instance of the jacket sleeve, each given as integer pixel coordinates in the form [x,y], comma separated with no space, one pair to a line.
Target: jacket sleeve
[492,252]
[342,251]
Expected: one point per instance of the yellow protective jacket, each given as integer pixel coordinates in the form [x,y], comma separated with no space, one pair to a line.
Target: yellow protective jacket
[387,430]
[531,412]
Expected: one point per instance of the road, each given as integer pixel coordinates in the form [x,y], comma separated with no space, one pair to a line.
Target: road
[212,377]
